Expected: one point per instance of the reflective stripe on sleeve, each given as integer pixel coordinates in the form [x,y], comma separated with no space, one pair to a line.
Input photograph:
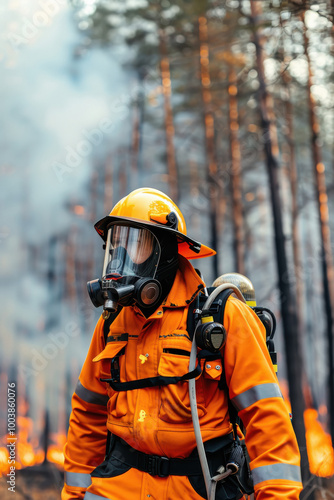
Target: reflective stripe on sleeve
[256,393]
[90,396]
[276,471]
[79,479]
[91,496]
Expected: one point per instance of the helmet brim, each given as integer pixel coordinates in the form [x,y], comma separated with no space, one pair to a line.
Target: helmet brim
[187,247]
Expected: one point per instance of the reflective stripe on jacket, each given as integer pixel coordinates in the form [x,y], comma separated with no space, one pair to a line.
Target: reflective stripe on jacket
[158,420]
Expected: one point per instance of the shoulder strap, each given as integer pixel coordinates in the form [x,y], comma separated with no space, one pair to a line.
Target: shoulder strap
[192,315]
[217,308]
[108,322]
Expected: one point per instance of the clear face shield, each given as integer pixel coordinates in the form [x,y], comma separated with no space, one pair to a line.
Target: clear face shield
[131,253]
[131,260]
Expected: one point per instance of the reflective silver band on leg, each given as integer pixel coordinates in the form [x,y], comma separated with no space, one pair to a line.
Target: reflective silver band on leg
[91,496]
[256,393]
[79,479]
[90,396]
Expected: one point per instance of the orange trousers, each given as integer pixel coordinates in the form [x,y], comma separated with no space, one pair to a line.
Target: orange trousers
[138,485]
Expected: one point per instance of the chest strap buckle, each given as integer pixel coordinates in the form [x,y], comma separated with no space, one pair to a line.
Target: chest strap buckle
[157,466]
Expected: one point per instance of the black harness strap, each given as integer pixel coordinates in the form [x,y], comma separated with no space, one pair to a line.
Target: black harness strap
[143,383]
[106,327]
[162,466]
[193,315]
[108,322]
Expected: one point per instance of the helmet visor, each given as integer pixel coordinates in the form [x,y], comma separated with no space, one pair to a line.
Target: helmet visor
[131,252]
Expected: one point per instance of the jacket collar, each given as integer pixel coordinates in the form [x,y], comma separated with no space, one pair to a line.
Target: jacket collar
[186,285]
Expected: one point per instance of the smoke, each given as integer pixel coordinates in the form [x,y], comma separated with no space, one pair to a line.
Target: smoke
[63,111]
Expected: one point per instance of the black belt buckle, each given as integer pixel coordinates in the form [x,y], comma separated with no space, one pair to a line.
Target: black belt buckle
[155,466]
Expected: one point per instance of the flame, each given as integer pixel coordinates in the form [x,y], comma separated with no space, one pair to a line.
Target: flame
[319,446]
[26,454]
[55,451]
[319,443]
[4,466]
[28,451]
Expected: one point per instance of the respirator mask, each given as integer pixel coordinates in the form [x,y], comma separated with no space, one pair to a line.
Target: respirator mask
[131,260]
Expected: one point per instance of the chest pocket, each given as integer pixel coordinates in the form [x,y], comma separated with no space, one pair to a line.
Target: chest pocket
[112,350]
[112,357]
[174,361]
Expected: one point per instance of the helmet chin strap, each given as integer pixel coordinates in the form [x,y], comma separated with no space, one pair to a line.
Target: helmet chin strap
[169,262]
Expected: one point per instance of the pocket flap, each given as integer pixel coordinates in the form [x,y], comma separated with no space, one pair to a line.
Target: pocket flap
[110,351]
[174,360]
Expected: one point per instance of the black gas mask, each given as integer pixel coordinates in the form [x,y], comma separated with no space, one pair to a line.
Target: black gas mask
[131,260]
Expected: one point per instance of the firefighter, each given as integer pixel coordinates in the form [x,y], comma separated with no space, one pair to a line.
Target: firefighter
[131,434]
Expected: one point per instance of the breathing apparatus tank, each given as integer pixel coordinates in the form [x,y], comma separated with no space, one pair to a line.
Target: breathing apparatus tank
[242,283]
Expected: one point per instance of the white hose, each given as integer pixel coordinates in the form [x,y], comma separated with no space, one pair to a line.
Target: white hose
[210,483]
[218,290]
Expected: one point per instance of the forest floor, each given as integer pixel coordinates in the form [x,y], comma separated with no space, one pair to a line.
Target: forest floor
[42,482]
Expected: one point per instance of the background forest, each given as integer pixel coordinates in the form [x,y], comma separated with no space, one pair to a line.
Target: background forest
[227,106]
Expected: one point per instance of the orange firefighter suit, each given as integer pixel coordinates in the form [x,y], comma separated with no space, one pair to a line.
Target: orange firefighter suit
[157,420]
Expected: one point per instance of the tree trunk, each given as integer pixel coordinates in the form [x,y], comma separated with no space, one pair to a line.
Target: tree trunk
[70,269]
[122,173]
[135,143]
[211,167]
[294,222]
[108,187]
[52,317]
[326,252]
[237,211]
[296,243]
[288,307]
[308,386]
[92,217]
[169,125]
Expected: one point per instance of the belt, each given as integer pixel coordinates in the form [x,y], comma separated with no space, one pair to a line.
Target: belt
[154,465]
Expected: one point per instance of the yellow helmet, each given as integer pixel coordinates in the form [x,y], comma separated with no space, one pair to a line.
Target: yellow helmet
[151,208]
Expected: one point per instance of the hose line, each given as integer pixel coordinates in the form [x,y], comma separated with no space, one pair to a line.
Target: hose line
[210,483]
